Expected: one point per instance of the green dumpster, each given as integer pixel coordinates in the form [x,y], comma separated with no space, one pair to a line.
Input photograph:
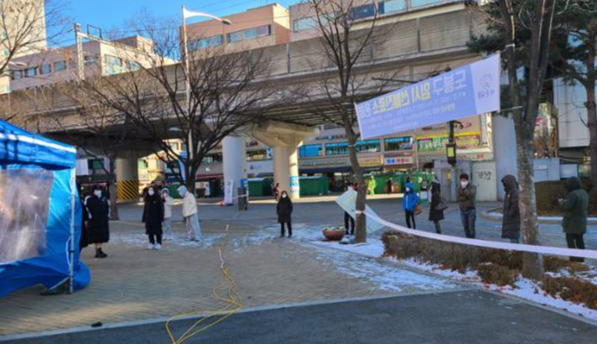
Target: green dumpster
[259,187]
[314,186]
[173,189]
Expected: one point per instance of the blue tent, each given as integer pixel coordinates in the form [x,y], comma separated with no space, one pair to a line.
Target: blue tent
[40,215]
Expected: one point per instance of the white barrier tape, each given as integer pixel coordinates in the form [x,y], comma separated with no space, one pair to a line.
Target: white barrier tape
[235,197]
[548,250]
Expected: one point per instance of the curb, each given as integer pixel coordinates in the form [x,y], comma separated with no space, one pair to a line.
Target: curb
[493,215]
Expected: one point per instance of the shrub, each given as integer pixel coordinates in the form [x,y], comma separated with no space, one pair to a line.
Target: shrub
[497,274]
[547,195]
[571,289]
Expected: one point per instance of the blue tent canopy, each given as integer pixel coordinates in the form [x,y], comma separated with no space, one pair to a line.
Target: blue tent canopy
[40,215]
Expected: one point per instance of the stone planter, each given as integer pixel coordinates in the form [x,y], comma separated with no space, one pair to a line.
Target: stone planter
[333,235]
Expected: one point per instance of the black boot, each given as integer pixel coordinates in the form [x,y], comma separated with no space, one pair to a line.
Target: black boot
[100,254]
[97,253]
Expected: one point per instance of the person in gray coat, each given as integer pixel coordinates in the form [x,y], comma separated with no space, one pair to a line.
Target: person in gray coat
[511,219]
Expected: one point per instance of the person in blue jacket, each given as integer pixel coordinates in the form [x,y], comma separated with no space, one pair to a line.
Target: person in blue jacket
[409,203]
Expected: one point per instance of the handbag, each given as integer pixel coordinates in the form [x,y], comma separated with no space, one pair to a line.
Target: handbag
[441,205]
[418,209]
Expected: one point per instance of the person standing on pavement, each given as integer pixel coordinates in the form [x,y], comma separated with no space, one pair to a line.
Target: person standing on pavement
[511,219]
[276,191]
[167,223]
[284,211]
[409,203]
[372,185]
[574,223]
[349,223]
[153,216]
[437,206]
[189,212]
[98,209]
[466,195]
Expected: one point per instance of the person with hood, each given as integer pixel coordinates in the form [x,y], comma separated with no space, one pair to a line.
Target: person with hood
[409,203]
[189,213]
[349,223]
[276,191]
[466,195]
[574,223]
[511,219]
[372,185]
[284,211]
[167,223]
[437,206]
[98,209]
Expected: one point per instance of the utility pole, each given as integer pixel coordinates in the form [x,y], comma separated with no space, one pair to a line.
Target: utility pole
[79,51]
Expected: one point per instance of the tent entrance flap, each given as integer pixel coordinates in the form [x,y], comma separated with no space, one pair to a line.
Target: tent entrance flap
[24,205]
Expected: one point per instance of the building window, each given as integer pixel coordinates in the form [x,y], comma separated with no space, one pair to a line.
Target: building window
[132,66]
[392,6]
[45,69]
[142,164]
[398,143]
[113,65]
[304,24]
[90,60]
[5,52]
[360,12]
[418,3]
[260,31]
[308,151]
[17,74]
[59,66]
[213,158]
[95,164]
[212,41]
[341,148]
[31,72]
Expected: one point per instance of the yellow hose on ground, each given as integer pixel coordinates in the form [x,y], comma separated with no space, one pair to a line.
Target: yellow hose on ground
[225,292]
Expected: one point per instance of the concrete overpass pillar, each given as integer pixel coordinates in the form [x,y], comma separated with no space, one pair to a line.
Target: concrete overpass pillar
[235,161]
[127,178]
[286,169]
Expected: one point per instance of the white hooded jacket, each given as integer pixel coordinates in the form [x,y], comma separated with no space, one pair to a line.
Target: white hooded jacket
[189,202]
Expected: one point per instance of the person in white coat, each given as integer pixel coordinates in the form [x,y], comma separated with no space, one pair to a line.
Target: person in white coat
[189,212]
[167,224]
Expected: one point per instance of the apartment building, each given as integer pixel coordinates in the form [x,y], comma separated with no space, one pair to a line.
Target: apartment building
[22,32]
[101,57]
[255,28]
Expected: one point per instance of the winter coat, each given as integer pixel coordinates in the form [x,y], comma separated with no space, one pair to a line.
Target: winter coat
[153,214]
[436,195]
[284,210]
[466,196]
[189,205]
[98,225]
[511,219]
[168,203]
[84,240]
[410,199]
[575,207]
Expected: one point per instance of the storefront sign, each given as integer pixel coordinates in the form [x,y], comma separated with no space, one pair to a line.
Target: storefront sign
[368,161]
[469,90]
[323,162]
[404,160]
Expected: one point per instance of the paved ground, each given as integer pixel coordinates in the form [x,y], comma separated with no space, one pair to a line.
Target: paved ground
[442,318]
[134,283]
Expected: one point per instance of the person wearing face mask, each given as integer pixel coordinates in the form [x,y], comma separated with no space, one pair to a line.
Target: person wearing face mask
[466,195]
[409,203]
[98,209]
[437,206]
[167,223]
[284,211]
[189,212]
[511,219]
[153,215]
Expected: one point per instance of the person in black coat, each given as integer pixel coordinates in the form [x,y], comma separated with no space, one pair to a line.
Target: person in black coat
[511,219]
[98,208]
[436,211]
[153,216]
[284,210]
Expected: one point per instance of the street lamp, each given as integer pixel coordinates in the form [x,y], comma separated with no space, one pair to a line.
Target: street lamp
[185,55]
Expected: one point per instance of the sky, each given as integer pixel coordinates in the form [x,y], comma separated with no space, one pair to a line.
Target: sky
[112,14]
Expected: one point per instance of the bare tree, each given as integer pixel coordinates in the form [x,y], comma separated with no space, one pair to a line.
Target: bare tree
[346,44]
[525,101]
[226,92]
[27,26]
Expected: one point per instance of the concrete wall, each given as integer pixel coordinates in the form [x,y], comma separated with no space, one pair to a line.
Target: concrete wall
[569,100]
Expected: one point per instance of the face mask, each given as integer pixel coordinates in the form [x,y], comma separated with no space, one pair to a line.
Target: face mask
[463,184]
[407,189]
[151,192]
[98,193]
[284,196]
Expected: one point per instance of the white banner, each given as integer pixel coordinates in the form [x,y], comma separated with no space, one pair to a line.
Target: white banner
[348,201]
[229,192]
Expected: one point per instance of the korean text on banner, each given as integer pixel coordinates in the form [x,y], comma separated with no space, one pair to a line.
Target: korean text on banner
[467,91]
